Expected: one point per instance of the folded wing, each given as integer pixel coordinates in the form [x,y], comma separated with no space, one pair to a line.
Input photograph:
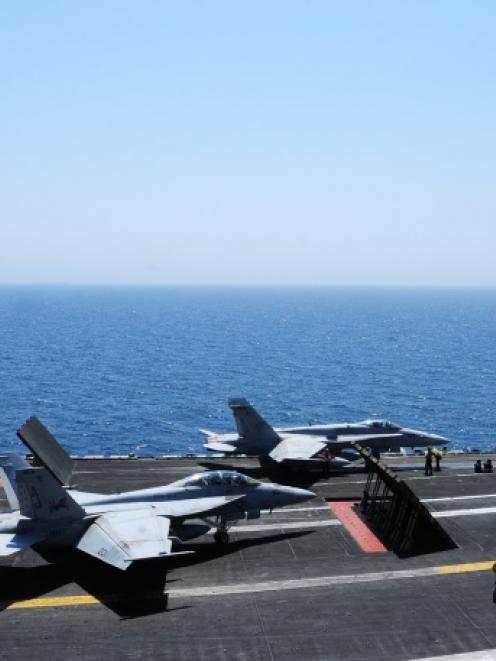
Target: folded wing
[120,538]
[296,448]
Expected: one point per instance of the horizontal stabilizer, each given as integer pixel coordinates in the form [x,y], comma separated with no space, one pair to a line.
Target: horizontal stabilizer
[12,542]
[45,448]
[207,432]
[297,447]
[120,538]
[220,447]
[9,464]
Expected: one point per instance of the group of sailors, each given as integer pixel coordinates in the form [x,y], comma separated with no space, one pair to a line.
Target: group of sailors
[487,467]
[479,467]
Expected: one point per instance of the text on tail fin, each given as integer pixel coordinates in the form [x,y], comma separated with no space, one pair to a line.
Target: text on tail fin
[42,498]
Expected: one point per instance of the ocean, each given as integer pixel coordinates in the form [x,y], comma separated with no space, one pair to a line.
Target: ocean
[118,370]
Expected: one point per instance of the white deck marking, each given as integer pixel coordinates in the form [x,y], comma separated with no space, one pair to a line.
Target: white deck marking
[415,477]
[298,509]
[447,498]
[484,655]
[299,583]
[309,523]
[466,512]
[291,525]
[323,508]
[326,581]
[422,500]
[266,586]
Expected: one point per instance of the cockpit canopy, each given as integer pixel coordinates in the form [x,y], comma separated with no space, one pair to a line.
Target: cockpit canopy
[382,424]
[219,479]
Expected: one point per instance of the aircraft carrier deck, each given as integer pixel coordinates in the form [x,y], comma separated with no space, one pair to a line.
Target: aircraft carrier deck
[300,583]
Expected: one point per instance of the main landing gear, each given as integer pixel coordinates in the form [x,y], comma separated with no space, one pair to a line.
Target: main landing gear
[221,535]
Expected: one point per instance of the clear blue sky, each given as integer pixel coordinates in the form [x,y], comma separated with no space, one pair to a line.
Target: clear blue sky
[248,142]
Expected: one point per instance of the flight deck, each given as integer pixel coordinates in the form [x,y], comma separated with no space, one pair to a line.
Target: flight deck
[312,581]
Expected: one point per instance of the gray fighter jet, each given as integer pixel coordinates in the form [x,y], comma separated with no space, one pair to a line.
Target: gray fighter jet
[327,445]
[124,527]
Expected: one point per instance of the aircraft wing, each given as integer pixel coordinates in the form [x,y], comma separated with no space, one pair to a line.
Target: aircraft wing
[119,538]
[12,542]
[194,507]
[297,448]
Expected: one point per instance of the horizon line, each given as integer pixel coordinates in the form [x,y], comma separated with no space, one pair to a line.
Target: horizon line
[247,285]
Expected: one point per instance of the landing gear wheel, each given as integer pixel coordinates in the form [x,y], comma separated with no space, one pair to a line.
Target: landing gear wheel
[221,537]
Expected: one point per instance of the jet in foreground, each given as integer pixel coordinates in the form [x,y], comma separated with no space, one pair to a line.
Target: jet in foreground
[124,527]
[328,445]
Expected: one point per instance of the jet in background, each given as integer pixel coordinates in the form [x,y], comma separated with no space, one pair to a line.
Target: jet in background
[317,446]
[121,528]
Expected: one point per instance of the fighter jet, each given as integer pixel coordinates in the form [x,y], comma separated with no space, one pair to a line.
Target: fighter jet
[328,445]
[122,528]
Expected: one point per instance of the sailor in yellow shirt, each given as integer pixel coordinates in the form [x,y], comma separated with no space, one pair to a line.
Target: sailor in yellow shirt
[438,455]
[428,462]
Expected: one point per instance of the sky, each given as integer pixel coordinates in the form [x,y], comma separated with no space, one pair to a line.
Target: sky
[262,142]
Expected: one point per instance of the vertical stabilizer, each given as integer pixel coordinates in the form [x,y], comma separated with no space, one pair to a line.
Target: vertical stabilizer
[42,498]
[45,448]
[258,435]
[9,464]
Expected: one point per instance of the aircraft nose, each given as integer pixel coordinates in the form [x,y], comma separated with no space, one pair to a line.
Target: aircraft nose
[437,439]
[293,495]
[431,439]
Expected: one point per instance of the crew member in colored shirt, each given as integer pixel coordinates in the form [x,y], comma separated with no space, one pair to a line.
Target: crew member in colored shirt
[428,461]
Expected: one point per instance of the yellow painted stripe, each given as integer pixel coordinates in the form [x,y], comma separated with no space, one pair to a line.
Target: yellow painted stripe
[468,567]
[53,602]
[82,600]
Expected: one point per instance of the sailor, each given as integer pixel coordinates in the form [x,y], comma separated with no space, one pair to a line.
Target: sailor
[437,456]
[327,455]
[428,461]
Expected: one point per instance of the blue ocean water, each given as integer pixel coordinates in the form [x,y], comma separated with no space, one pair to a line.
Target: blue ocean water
[131,369]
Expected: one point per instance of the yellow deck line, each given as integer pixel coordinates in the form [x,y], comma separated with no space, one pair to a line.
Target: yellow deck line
[83,600]
[462,569]
[53,602]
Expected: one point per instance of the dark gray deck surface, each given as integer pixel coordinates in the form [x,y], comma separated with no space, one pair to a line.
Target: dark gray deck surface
[260,613]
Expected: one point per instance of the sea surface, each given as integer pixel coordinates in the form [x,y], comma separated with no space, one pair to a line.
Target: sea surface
[140,369]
